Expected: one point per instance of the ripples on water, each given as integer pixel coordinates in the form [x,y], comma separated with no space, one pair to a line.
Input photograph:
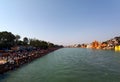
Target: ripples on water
[70,65]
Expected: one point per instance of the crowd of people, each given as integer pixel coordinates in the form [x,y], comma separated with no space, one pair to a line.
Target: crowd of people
[13,59]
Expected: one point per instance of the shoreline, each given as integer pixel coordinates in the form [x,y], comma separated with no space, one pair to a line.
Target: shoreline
[25,57]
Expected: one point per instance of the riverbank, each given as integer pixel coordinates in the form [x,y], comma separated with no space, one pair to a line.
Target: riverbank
[13,60]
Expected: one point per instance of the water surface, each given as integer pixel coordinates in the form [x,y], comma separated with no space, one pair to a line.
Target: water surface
[69,65]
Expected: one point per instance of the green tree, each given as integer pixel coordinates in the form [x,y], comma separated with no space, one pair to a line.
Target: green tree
[6,39]
[34,42]
[25,41]
[17,37]
[19,43]
[44,45]
[50,45]
[39,44]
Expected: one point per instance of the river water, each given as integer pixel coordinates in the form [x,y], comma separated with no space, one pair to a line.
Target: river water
[69,65]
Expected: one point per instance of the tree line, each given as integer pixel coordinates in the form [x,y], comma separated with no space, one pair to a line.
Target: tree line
[8,40]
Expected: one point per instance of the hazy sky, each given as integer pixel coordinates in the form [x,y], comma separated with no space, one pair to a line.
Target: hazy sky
[61,21]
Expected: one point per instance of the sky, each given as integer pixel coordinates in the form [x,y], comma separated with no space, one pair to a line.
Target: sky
[63,22]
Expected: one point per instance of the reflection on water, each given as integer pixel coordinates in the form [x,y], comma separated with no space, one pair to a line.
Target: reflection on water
[70,65]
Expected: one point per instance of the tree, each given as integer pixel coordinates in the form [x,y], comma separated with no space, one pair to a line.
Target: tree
[50,45]
[39,44]
[79,45]
[17,37]
[34,42]
[6,39]
[44,45]
[25,41]
[19,43]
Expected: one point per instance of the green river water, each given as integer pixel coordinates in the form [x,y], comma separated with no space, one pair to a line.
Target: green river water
[69,65]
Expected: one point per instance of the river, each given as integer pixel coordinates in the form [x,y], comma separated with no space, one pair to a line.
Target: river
[69,65]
